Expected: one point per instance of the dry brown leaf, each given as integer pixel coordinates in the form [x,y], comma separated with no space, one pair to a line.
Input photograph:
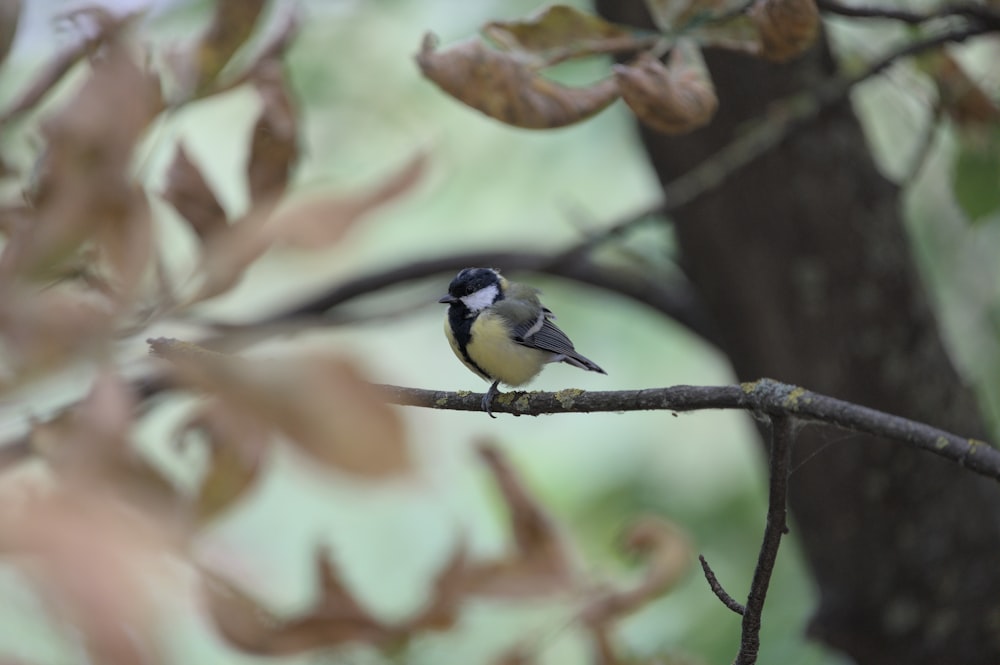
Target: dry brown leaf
[92,557]
[964,100]
[323,222]
[125,246]
[42,330]
[322,404]
[668,554]
[311,224]
[192,197]
[541,563]
[272,50]
[229,252]
[558,32]
[736,33]
[106,29]
[240,619]
[231,26]
[505,86]
[674,99]
[711,23]
[237,445]
[84,440]
[90,444]
[274,147]
[676,15]
[786,27]
[337,618]
[450,587]
[84,188]
[335,415]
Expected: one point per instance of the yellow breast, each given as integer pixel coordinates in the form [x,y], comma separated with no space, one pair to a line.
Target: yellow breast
[493,350]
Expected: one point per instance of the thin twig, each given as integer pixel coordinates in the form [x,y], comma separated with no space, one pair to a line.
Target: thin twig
[716,587]
[966,10]
[765,396]
[674,298]
[798,111]
[676,301]
[781,435]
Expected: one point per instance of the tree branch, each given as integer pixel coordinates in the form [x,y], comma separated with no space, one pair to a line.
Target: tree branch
[674,299]
[788,116]
[718,590]
[765,396]
[781,435]
[974,12]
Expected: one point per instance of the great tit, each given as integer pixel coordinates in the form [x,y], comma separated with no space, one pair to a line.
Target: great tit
[502,332]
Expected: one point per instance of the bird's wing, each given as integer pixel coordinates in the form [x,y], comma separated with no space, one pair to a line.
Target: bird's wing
[541,333]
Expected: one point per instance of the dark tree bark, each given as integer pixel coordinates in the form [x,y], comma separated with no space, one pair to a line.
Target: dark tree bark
[803,261]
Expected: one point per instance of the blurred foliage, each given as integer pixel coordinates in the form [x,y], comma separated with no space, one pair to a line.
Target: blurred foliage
[217,160]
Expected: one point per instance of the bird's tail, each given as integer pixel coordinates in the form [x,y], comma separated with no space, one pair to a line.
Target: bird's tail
[576,360]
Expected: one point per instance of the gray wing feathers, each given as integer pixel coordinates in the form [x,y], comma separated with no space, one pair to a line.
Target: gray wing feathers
[548,337]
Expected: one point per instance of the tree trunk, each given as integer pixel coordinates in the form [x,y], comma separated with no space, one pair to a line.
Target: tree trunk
[804,263]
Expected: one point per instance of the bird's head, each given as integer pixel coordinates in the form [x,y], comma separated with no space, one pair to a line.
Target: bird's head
[475,288]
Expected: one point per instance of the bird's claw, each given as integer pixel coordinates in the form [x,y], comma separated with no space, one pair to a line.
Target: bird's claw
[489,397]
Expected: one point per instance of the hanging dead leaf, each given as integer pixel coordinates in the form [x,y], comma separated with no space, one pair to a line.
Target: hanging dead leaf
[192,197]
[311,224]
[90,444]
[506,87]
[84,186]
[274,147]
[679,16]
[668,555]
[322,404]
[272,50]
[710,23]
[228,253]
[106,28]
[674,99]
[964,100]
[336,618]
[231,250]
[786,27]
[323,222]
[42,330]
[734,31]
[240,619]
[340,419]
[92,558]
[125,246]
[237,445]
[231,26]
[541,562]
[89,435]
[560,32]
[447,593]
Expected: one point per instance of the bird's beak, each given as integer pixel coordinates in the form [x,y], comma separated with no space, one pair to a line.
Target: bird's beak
[447,299]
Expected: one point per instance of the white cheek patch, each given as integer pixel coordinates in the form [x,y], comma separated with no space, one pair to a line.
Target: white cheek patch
[482,298]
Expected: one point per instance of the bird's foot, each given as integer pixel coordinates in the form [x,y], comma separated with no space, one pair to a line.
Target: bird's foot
[489,397]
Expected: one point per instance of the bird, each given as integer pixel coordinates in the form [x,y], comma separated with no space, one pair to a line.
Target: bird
[501,331]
